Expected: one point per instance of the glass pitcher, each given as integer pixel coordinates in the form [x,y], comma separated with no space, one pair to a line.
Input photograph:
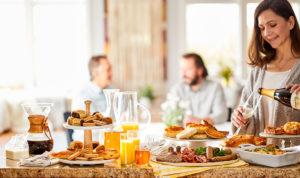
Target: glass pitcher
[109,97]
[39,137]
[126,111]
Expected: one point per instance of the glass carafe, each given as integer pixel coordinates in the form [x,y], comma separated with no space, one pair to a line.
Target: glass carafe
[109,97]
[126,111]
[39,137]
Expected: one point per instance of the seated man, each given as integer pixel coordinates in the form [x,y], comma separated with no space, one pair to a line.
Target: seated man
[206,97]
[101,76]
[100,71]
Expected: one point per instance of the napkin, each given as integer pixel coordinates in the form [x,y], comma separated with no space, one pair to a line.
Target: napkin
[161,170]
[42,160]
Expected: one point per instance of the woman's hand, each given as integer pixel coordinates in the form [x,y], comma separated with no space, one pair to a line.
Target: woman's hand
[238,119]
[294,88]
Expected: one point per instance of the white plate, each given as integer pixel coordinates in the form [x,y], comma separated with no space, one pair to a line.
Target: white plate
[262,134]
[82,162]
[184,164]
[67,126]
[193,140]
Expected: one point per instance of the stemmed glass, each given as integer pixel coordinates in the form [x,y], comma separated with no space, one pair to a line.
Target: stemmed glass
[248,110]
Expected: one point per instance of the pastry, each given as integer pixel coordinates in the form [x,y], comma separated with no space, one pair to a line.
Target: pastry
[111,154]
[97,115]
[75,145]
[186,133]
[108,120]
[62,154]
[199,136]
[258,141]
[74,155]
[99,149]
[292,128]
[74,121]
[81,158]
[201,128]
[90,155]
[237,140]
[99,123]
[213,133]
[97,158]
[172,131]
[95,144]
[274,130]
[88,124]
[79,114]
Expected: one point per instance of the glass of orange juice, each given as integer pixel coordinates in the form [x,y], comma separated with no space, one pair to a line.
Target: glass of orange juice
[134,134]
[112,140]
[127,149]
[142,157]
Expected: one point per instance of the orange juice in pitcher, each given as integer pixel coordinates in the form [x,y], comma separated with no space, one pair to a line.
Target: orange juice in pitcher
[130,126]
[126,111]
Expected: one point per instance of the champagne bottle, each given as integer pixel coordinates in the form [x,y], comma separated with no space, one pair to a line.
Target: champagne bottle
[282,95]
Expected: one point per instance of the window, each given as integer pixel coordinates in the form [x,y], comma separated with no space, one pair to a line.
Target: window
[60,46]
[45,43]
[210,35]
[13,54]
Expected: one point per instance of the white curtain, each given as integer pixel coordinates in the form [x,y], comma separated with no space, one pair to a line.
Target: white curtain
[136,43]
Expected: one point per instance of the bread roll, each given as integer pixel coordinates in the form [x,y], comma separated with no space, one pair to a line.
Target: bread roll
[186,133]
[172,131]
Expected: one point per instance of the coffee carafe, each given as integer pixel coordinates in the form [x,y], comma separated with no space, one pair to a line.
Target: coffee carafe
[39,137]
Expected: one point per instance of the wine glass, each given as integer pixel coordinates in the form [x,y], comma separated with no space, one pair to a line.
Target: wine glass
[248,110]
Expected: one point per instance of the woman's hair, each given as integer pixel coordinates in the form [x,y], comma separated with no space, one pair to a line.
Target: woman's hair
[261,52]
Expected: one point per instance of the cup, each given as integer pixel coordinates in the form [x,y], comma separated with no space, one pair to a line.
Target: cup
[127,149]
[142,156]
[112,140]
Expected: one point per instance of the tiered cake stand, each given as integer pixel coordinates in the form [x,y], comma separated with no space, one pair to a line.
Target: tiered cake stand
[87,144]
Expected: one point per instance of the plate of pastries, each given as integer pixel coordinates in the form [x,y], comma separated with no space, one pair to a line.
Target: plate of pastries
[237,140]
[81,119]
[201,156]
[77,154]
[194,132]
[288,130]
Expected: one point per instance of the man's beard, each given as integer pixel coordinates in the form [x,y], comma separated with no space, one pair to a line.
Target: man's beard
[194,81]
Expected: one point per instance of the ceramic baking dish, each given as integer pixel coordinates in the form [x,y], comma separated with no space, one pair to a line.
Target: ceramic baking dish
[289,158]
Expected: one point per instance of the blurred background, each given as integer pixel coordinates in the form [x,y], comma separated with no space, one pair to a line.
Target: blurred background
[45,46]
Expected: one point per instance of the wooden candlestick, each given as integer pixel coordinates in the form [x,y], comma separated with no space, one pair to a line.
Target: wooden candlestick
[88,142]
[87,107]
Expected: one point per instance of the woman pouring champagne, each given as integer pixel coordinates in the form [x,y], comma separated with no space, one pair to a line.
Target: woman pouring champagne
[274,54]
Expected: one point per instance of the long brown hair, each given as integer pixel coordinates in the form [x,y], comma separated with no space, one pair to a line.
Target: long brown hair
[261,52]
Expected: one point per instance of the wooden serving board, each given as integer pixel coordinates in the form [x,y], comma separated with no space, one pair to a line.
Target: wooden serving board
[184,164]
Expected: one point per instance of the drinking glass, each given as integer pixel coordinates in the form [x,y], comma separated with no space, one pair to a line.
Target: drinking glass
[248,109]
[112,140]
[134,134]
[142,156]
[127,149]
